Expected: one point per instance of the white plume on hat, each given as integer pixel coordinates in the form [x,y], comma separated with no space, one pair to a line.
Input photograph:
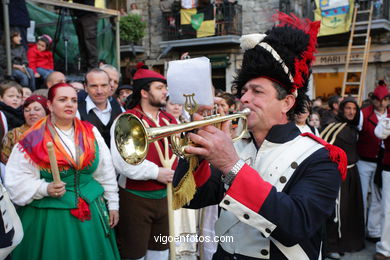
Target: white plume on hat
[249,41]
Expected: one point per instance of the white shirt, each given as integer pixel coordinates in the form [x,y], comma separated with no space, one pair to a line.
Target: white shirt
[5,124]
[24,184]
[378,115]
[380,118]
[103,115]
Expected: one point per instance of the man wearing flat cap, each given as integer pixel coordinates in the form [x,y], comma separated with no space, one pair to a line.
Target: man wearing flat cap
[276,187]
[370,150]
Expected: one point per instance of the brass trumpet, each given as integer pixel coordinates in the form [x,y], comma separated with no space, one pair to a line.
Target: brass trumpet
[132,137]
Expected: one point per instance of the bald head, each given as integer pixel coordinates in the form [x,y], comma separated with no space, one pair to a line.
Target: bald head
[114,76]
[54,78]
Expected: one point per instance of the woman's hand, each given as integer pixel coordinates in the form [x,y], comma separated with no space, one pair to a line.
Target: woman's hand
[37,75]
[114,218]
[56,190]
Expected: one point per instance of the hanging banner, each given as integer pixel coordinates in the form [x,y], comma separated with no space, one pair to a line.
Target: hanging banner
[198,22]
[335,16]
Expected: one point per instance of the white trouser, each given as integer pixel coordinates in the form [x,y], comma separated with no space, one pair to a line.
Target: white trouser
[207,219]
[372,209]
[383,246]
[155,255]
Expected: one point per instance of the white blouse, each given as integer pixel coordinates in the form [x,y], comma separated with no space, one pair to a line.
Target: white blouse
[23,182]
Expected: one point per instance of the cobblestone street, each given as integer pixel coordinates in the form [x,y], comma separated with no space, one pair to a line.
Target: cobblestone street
[365,254]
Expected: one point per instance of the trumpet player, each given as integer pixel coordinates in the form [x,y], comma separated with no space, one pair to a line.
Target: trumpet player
[276,187]
[143,204]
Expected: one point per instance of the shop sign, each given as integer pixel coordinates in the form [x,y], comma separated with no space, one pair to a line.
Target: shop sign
[337,59]
[356,58]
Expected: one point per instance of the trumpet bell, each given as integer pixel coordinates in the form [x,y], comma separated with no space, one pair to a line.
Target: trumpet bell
[131,139]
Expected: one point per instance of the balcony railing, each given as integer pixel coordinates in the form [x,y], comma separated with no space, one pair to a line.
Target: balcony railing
[380,9]
[227,17]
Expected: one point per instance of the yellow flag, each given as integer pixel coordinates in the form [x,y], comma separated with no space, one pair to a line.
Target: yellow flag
[207,28]
[98,3]
[335,16]
[185,15]
[198,22]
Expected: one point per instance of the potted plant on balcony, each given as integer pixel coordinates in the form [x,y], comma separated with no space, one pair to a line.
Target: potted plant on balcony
[132,29]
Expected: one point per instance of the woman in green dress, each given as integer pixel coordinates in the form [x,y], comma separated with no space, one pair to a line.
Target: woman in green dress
[69,220]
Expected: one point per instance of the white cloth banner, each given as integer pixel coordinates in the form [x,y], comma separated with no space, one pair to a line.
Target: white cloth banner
[191,76]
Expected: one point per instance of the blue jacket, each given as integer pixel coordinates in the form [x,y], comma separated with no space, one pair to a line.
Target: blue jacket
[299,211]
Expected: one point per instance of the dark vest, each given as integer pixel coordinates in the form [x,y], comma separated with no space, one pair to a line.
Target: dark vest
[93,119]
[368,144]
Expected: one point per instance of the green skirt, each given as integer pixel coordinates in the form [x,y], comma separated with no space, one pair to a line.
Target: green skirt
[51,233]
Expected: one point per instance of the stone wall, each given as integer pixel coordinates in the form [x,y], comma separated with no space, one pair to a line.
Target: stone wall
[256,15]
[151,14]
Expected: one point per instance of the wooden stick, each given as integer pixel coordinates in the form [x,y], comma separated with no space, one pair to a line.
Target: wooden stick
[53,163]
[172,246]
[167,163]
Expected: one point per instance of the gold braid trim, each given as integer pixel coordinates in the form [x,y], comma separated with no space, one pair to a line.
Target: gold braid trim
[185,190]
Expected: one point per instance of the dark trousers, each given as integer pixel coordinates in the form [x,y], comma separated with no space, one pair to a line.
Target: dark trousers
[25,80]
[141,221]
[86,28]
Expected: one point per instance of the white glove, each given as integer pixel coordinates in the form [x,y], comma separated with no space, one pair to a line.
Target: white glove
[382,130]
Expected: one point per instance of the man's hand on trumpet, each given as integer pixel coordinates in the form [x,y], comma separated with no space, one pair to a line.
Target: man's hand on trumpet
[213,144]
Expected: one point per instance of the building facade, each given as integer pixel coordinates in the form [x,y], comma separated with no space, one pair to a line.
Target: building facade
[169,35]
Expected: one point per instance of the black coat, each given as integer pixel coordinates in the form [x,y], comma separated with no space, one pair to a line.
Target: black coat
[15,117]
